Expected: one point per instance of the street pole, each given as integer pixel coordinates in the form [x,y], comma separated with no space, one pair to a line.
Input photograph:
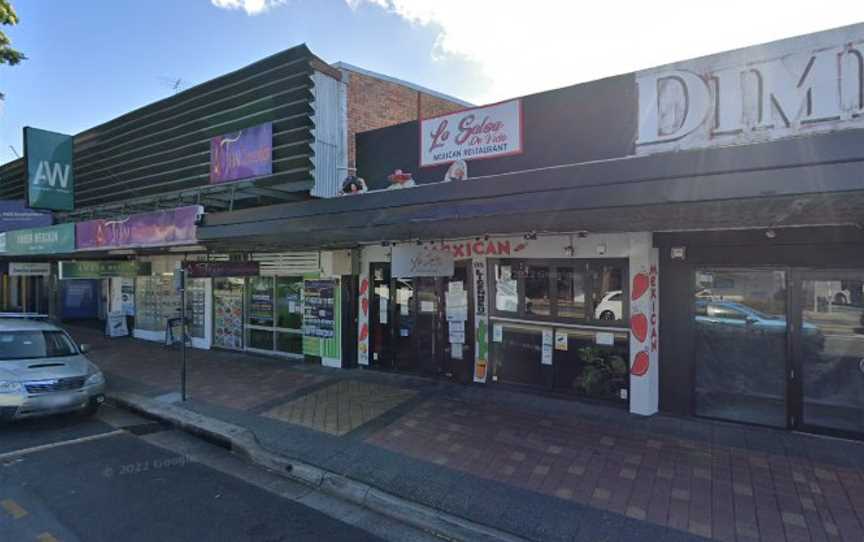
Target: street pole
[183,334]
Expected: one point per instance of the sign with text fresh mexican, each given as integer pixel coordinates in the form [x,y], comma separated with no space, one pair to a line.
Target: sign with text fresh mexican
[50,240]
[482,132]
[103,269]
[15,215]
[242,155]
[50,176]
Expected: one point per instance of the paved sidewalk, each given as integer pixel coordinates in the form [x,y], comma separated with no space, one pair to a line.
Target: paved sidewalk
[542,468]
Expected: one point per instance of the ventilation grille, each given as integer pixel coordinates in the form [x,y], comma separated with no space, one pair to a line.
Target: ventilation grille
[287,263]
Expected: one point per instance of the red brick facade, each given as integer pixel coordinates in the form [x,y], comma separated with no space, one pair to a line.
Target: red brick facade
[377,103]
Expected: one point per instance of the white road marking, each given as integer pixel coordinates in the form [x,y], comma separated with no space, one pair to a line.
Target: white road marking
[34,449]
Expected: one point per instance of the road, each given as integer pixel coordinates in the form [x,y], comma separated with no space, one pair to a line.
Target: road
[121,477]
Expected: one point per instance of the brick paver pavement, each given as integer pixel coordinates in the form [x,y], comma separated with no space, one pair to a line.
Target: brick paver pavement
[708,479]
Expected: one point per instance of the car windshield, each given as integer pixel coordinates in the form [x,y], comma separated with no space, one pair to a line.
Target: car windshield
[35,344]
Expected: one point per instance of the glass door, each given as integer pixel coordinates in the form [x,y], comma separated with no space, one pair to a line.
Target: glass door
[829,348]
[740,345]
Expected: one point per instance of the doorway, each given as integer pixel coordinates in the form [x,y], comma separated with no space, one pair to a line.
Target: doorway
[782,347]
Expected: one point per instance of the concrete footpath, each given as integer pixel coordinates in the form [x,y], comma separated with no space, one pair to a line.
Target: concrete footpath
[474,463]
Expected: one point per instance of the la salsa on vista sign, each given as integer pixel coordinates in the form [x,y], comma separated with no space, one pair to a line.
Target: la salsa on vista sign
[482,132]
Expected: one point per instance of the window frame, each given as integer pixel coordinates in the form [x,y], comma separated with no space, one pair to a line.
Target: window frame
[586,266]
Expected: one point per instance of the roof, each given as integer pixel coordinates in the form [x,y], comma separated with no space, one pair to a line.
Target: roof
[25,324]
[413,86]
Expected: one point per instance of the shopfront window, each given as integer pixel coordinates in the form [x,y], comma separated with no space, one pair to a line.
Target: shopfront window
[289,309]
[260,303]
[573,291]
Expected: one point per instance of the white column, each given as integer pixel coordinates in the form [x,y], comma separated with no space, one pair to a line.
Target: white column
[644,325]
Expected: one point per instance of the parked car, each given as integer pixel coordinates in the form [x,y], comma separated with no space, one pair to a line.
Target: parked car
[610,306]
[730,315]
[43,371]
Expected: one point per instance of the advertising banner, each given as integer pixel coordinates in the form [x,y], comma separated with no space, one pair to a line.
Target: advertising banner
[50,240]
[48,157]
[163,228]
[221,269]
[242,155]
[482,132]
[103,269]
[417,261]
[28,269]
[15,215]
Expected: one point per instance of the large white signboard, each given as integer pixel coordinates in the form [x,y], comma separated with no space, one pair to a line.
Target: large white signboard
[482,132]
[792,87]
[418,261]
[25,269]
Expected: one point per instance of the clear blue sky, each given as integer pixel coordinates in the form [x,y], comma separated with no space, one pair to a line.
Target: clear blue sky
[92,61]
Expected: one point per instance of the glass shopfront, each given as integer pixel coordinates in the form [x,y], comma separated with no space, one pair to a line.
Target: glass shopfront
[561,325]
[274,315]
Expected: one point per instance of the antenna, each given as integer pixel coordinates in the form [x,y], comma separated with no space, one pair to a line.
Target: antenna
[14,151]
[176,84]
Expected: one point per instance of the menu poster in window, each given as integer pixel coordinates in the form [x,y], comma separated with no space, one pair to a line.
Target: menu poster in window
[318,308]
[261,304]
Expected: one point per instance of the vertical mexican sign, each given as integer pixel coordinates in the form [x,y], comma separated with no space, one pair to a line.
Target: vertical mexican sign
[50,176]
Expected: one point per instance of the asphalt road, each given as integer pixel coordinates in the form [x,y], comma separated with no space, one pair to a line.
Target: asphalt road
[119,477]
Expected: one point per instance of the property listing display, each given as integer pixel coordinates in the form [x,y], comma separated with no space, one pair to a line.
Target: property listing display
[196,303]
[156,301]
[318,309]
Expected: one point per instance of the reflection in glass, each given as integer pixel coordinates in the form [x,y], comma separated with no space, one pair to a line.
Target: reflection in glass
[537,298]
[260,303]
[571,293]
[289,309]
[740,345]
[608,295]
[832,346]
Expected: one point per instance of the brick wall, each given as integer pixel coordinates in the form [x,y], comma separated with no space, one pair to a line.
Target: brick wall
[375,103]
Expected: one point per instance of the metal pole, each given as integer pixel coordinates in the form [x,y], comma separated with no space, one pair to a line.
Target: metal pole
[183,334]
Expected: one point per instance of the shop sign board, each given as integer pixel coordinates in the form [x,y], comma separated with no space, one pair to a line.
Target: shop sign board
[162,228]
[492,131]
[417,261]
[48,240]
[48,157]
[798,86]
[242,155]
[29,269]
[15,215]
[103,269]
[2,242]
[221,269]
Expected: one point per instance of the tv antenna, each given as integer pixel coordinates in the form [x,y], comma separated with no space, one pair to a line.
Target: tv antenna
[14,151]
[176,84]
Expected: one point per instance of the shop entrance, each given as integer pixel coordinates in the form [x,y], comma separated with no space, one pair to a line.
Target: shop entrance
[424,324]
[780,347]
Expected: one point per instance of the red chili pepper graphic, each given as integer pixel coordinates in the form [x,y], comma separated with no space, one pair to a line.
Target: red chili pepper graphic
[640,286]
[364,303]
[364,286]
[639,326]
[640,364]
[364,332]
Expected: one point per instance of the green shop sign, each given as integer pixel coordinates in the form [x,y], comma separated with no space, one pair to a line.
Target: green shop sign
[103,269]
[50,173]
[48,240]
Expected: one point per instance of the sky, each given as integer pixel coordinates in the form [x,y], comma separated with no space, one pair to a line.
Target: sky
[93,60]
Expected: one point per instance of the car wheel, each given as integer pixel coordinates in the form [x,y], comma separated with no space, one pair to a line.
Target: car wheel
[91,409]
[840,299]
[607,315]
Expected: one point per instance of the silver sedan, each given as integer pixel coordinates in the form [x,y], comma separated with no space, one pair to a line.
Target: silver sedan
[43,372]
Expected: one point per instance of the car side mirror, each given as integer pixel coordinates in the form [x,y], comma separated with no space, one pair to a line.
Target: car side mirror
[84,348]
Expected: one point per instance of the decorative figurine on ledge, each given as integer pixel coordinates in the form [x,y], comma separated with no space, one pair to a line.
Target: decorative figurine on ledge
[353,185]
[398,179]
[458,171]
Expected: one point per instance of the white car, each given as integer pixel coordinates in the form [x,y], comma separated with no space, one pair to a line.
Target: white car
[610,306]
[43,371]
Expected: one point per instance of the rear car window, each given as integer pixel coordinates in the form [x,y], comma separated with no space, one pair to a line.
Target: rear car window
[35,344]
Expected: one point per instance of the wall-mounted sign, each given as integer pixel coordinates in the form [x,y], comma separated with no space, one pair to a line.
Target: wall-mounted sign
[482,132]
[29,269]
[49,240]
[48,157]
[242,155]
[418,261]
[221,269]
[319,314]
[163,228]
[791,87]
[2,243]
[15,215]
[103,269]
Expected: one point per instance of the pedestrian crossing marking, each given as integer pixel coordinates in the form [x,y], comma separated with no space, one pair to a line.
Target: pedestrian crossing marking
[13,508]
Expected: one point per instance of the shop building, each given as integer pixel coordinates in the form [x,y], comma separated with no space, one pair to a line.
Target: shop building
[685,239]
[119,206]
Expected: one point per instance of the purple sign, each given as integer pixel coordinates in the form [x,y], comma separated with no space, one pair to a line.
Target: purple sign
[241,155]
[174,227]
[15,215]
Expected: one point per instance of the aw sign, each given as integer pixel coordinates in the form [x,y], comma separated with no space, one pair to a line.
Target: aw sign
[50,174]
